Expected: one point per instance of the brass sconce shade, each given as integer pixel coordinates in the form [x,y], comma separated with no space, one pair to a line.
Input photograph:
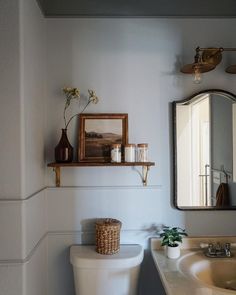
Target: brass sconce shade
[205,60]
[212,55]
[200,66]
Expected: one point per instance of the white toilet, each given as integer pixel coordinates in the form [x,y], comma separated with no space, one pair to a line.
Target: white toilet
[97,274]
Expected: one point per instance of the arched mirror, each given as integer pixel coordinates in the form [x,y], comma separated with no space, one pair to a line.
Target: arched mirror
[204,128]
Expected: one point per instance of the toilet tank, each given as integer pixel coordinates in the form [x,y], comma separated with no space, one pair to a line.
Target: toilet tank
[97,274]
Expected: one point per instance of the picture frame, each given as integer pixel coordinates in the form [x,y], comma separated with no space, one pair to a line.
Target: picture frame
[97,132]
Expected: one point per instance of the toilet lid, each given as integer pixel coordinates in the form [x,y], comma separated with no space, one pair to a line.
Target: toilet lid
[82,256]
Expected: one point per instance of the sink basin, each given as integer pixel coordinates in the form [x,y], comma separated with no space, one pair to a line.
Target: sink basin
[213,272]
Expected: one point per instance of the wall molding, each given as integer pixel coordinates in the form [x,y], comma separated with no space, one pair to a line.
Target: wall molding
[17,200]
[12,262]
[127,187]
[25,246]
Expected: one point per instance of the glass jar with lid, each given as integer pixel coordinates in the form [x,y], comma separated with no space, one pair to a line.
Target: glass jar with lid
[116,153]
[142,152]
[130,150]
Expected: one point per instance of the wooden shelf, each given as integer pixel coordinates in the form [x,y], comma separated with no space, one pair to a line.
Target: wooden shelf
[145,168]
[93,164]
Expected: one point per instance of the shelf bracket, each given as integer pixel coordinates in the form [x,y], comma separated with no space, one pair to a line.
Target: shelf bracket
[144,176]
[57,171]
[144,173]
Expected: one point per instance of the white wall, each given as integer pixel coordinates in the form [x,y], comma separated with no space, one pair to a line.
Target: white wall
[22,179]
[22,99]
[10,118]
[33,49]
[133,64]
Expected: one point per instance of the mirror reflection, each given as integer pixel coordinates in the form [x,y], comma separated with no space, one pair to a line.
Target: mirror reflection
[204,135]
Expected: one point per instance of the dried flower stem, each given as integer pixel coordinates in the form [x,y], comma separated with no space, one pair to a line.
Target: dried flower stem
[74,93]
[66,125]
[64,115]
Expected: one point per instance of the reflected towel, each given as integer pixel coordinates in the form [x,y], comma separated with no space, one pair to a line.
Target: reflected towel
[222,195]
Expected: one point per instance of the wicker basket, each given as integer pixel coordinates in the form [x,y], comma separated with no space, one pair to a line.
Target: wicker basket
[108,236]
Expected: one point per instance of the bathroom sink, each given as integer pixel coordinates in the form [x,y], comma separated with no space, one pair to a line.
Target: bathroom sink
[213,272]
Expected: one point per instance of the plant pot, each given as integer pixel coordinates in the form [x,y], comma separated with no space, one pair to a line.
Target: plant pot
[64,150]
[173,252]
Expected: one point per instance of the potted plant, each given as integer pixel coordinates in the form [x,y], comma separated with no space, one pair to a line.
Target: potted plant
[171,238]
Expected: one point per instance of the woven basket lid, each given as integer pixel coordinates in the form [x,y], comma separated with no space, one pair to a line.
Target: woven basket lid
[108,221]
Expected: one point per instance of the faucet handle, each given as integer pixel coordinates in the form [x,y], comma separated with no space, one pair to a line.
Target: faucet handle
[210,248]
[227,245]
[218,247]
[227,250]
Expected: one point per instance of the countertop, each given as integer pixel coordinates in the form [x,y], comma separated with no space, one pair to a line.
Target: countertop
[174,281]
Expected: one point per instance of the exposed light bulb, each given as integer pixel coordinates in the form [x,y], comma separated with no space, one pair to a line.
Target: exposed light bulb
[197,75]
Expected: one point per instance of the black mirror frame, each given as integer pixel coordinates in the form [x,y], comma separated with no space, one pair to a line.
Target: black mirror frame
[190,99]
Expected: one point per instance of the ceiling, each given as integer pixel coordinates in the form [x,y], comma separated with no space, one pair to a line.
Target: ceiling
[138,8]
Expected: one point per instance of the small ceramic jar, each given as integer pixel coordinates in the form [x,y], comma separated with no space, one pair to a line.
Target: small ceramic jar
[130,150]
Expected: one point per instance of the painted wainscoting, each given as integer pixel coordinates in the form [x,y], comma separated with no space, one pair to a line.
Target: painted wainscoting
[23,247]
[71,216]
[37,233]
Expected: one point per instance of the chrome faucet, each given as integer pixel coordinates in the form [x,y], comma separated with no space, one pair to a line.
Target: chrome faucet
[218,250]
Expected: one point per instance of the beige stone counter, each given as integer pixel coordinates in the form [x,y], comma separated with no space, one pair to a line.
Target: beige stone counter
[177,283]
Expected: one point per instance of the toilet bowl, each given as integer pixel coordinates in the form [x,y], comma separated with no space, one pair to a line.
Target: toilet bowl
[97,274]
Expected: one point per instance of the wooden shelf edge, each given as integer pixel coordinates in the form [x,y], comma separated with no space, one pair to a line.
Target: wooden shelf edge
[99,164]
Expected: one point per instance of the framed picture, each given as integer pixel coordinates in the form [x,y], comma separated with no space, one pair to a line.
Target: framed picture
[97,132]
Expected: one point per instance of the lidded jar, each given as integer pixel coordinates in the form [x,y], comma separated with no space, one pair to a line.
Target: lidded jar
[130,150]
[142,152]
[116,152]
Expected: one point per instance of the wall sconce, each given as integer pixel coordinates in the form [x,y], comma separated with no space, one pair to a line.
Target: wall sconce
[205,60]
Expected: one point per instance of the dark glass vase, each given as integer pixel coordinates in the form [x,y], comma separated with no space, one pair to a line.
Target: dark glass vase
[64,150]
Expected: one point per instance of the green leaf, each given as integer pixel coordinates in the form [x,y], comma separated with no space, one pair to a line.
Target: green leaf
[172,235]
